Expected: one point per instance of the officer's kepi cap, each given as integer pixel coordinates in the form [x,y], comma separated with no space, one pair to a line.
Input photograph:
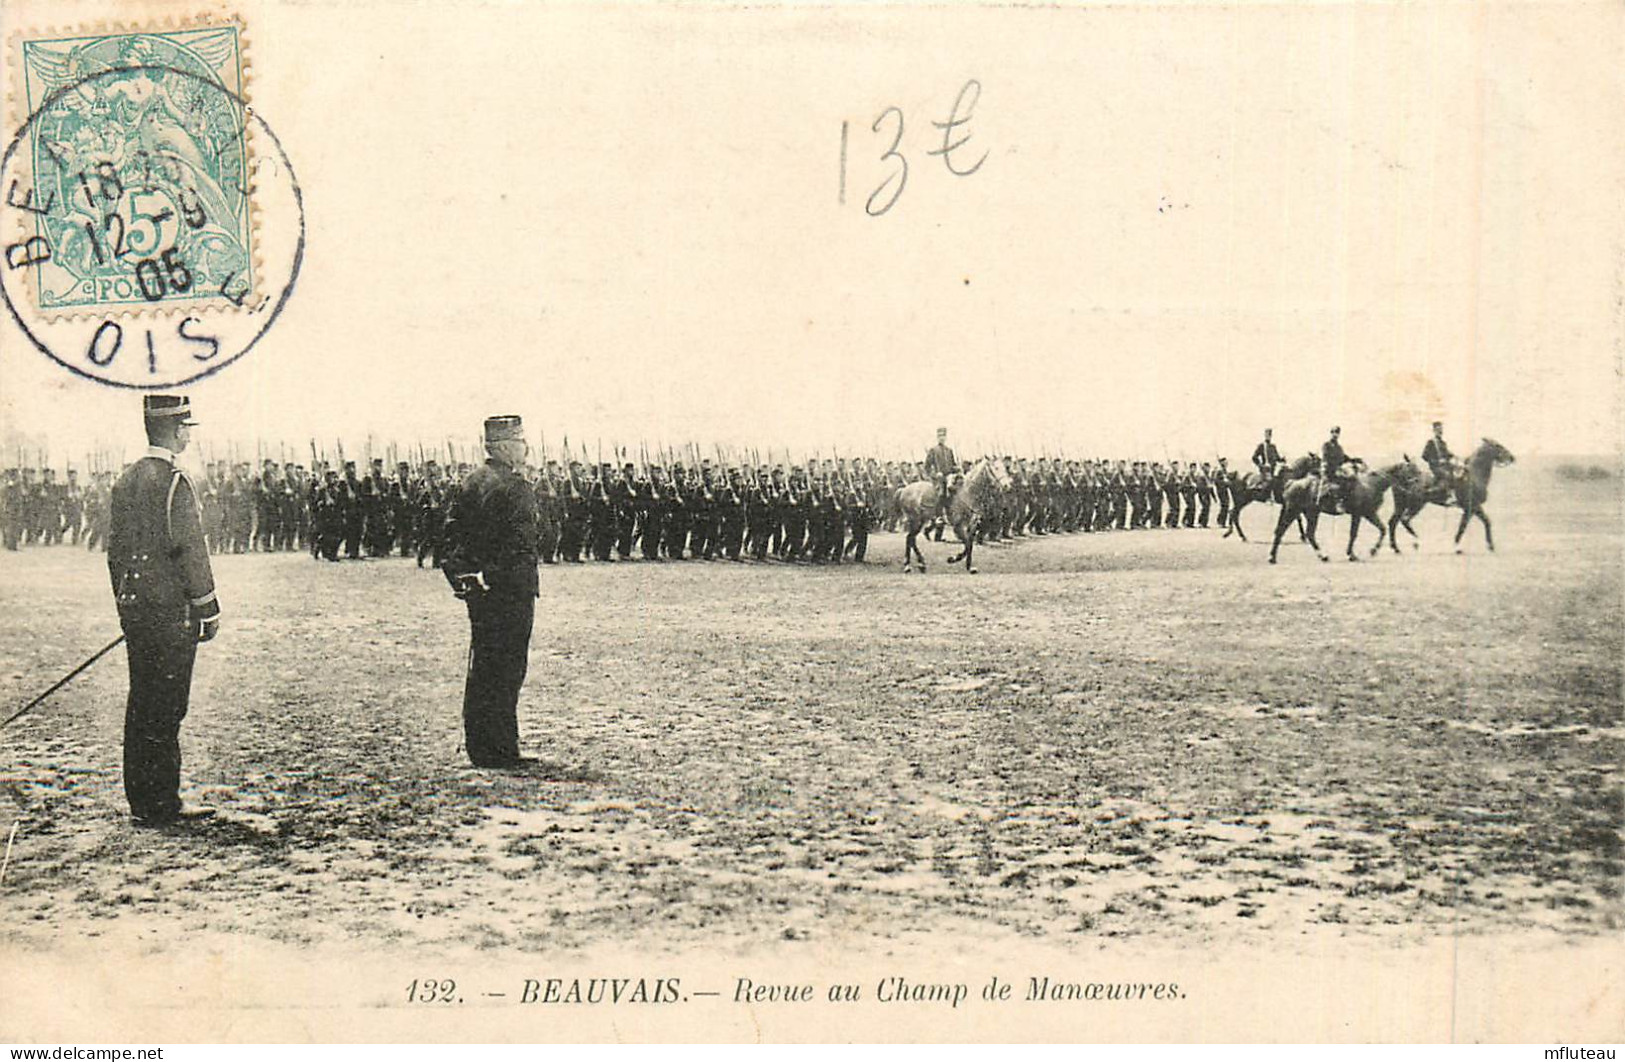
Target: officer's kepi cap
[504,429]
[174,408]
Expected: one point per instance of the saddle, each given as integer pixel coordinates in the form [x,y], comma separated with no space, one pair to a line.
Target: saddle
[1442,491]
[1329,494]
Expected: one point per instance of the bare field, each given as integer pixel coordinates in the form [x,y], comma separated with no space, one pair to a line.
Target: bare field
[1145,734]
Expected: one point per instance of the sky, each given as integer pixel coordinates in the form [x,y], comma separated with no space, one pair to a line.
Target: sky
[627,225]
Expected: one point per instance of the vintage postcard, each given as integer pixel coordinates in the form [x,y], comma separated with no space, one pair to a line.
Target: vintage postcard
[1083,522]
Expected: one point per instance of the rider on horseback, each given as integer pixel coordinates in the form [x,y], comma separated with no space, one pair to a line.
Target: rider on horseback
[941,466]
[1436,454]
[1336,471]
[1267,459]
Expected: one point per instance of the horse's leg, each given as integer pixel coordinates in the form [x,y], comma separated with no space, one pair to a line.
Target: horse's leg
[1489,539]
[1461,528]
[1282,522]
[959,533]
[1393,521]
[970,546]
[1354,533]
[1235,520]
[1405,519]
[1314,523]
[1381,530]
[908,546]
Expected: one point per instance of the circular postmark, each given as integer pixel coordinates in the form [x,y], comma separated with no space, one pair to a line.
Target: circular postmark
[151,222]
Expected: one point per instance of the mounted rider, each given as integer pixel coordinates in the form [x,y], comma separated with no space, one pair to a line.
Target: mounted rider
[1336,472]
[1267,459]
[941,466]
[1446,471]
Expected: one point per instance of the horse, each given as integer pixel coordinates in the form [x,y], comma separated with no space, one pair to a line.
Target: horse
[1427,487]
[1249,487]
[1361,500]
[977,493]
[1259,486]
[1469,490]
[1365,494]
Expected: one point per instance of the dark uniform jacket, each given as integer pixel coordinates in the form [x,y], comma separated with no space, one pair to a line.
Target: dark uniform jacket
[1266,456]
[492,529]
[156,555]
[1332,457]
[939,461]
[1436,454]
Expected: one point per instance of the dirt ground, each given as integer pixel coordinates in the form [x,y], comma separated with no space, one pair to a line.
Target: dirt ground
[1149,735]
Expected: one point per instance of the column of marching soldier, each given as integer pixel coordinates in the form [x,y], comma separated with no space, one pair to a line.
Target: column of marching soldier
[819,512]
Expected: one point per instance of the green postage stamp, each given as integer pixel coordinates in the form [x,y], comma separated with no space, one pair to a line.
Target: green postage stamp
[138,148]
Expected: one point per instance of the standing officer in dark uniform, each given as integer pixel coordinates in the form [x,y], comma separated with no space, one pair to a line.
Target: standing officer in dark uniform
[159,564]
[490,561]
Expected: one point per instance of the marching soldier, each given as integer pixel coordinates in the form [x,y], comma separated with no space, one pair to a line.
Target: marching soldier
[73,507]
[573,530]
[350,508]
[295,511]
[700,500]
[158,562]
[548,513]
[491,564]
[267,508]
[731,503]
[51,509]
[96,512]
[332,518]
[651,494]
[625,496]
[402,491]
[1203,482]
[675,524]
[602,515]
[11,510]
[1171,485]
[375,511]
[431,514]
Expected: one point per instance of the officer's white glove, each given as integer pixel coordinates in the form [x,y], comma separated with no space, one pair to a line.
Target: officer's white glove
[207,629]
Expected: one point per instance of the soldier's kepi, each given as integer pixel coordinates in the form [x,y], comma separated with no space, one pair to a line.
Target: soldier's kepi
[158,561]
[490,557]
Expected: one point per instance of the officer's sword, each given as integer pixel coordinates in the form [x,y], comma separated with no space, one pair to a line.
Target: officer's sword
[63,681]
